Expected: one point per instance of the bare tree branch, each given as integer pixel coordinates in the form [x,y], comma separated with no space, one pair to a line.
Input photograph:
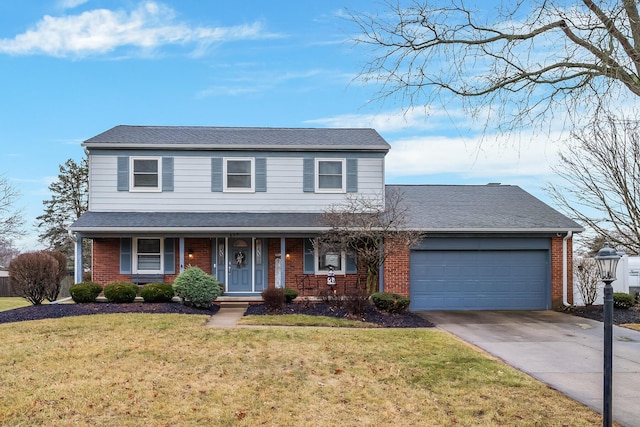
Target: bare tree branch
[373,228]
[534,55]
[11,218]
[601,169]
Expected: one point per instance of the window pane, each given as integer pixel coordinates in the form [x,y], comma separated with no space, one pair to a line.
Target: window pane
[148,262]
[333,168]
[149,246]
[330,174]
[145,180]
[149,166]
[239,166]
[239,181]
[329,181]
[333,259]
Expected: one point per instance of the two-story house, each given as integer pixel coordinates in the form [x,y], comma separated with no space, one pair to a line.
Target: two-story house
[244,204]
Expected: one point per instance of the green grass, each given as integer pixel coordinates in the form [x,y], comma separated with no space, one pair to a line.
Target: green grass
[8,303]
[169,369]
[303,320]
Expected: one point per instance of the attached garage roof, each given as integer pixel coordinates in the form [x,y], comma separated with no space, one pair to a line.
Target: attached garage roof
[479,208]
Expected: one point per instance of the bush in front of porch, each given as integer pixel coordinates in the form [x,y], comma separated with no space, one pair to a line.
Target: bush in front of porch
[196,288]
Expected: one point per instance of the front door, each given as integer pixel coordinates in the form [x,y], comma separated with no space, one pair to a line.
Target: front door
[240,265]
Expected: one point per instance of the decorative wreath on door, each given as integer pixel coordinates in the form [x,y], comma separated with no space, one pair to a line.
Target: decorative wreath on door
[240,258]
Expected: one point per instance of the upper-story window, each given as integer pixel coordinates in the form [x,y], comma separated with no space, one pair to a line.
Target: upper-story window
[145,173]
[239,174]
[330,175]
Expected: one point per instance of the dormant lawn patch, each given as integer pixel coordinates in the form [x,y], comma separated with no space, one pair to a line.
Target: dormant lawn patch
[168,369]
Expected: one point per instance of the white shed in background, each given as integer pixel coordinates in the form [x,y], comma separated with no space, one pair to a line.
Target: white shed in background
[633,275]
[627,279]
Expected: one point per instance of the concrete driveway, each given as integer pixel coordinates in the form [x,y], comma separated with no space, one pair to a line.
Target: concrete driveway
[561,350]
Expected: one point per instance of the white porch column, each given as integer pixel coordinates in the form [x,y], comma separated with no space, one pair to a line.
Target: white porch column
[181,249]
[283,262]
[77,260]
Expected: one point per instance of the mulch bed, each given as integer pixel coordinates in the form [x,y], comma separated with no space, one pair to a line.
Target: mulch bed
[372,315]
[596,312]
[52,311]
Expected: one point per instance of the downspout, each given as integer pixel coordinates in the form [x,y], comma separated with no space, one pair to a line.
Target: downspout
[565,269]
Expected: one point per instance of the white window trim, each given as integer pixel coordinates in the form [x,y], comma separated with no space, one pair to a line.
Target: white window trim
[135,256]
[226,189]
[317,177]
[343,261]
[132,187]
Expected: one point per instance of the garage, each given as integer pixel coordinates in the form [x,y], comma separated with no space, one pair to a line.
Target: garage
[481,274]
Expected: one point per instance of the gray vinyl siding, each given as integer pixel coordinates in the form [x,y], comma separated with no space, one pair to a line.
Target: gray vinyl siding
[192,187]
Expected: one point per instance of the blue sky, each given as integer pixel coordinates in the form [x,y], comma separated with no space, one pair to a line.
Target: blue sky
[71,69]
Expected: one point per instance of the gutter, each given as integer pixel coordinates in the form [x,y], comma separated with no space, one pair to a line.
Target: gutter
[565,269]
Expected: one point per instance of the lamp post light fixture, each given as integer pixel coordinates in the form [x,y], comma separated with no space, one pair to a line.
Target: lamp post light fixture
[607,261]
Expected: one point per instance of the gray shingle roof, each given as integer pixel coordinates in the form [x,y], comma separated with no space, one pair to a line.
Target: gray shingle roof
[432,208]
[238,138]
[196,222]
[477,208]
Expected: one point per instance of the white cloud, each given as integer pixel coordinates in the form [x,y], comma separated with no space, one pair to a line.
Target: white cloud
[412,120]
[252,83]
[100,31]
[468,158]
[434,142]
[70,4]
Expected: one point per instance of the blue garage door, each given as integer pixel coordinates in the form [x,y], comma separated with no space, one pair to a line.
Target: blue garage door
[480,280]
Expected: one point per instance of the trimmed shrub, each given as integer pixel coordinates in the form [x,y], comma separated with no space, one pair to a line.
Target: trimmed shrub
[622,300]
[61,273]
[393,303]
[157,292]
[34,276]
[196,288]
[273,299]
[85,292]
[357,304]
[120,292]
[290,295]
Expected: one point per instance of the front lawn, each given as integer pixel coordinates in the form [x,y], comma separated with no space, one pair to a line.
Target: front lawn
[9,303]
[169,369]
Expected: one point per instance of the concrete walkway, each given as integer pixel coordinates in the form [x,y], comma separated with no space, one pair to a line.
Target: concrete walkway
[562,350]
[228,315]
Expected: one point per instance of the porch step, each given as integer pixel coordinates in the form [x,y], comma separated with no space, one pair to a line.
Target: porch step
[234,304]
[237,299]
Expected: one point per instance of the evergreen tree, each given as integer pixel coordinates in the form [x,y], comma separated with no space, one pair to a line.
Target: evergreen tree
[70,194]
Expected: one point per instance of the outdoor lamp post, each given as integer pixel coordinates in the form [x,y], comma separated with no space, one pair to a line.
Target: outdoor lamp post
[607,261]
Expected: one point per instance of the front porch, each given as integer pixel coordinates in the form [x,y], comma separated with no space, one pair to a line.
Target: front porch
[244,265]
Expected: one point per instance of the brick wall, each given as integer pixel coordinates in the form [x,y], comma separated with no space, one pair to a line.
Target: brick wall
[396,270]
[556,272]
[201,248]
[106,261]
[293,264]
[307,284]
